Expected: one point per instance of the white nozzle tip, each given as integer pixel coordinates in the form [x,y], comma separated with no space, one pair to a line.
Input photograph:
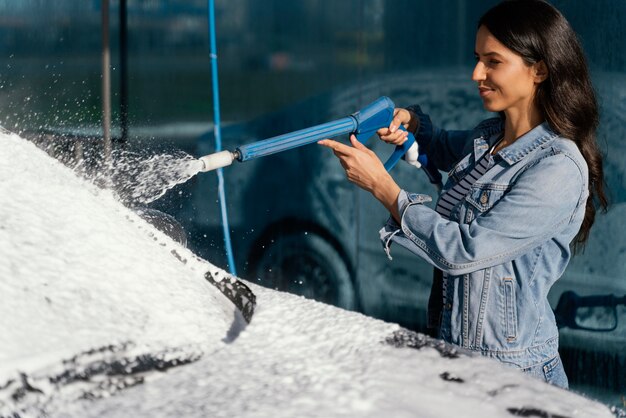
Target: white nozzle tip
[217,160]
[412,154]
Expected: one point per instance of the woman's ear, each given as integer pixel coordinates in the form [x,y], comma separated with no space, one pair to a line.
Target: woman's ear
[541,72]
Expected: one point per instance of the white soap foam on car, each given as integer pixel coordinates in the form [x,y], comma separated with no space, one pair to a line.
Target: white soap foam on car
[79,270]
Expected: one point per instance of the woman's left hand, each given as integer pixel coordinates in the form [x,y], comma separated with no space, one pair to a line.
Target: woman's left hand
[365,169]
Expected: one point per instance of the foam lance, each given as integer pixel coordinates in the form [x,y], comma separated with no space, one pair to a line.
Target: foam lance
[363,124]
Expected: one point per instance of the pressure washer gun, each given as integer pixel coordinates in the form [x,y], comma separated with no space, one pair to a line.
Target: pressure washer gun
[363,124]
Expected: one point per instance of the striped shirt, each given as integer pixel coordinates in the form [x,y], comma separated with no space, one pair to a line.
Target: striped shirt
[450,198]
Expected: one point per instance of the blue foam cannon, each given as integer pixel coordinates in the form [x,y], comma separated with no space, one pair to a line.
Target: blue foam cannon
[363,124]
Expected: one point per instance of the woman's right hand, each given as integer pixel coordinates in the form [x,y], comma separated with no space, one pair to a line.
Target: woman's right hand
[393,135]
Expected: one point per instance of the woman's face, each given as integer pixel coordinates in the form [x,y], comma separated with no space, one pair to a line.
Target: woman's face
[505,81]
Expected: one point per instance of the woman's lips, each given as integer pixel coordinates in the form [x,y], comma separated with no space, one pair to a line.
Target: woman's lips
[484,91]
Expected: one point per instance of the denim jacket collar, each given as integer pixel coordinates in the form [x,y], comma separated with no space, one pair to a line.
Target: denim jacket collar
[517,150]
[526,143]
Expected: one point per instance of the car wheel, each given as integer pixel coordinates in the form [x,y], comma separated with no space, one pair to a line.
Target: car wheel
[306,264]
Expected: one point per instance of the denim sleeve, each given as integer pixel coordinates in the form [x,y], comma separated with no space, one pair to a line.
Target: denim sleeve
[541,203]
[444,148]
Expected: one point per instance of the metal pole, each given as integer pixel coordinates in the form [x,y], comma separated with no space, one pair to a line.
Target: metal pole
[124,71]
[106,84]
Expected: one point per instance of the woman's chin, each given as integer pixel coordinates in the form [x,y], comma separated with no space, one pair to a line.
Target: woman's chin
[491,107]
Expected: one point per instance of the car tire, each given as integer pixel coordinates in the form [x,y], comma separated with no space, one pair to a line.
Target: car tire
[305,264]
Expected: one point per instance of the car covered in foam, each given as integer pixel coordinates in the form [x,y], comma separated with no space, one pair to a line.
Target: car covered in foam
[101,314]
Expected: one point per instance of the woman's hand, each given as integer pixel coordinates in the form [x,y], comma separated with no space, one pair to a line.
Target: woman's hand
[395,136]
[365,169]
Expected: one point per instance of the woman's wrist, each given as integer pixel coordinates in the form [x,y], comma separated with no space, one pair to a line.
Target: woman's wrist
[387,193]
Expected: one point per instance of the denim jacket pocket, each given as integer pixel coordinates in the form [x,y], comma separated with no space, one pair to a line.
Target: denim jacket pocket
[479,199]
[484,196]
[510,309]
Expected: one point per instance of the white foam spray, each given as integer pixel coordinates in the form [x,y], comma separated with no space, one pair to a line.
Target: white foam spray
[143,179]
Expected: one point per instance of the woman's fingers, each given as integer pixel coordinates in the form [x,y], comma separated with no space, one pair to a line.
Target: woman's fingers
[361,164]
[337,147]
[396,138]
[364,169]
[400,117]
[393,134]
[358,145]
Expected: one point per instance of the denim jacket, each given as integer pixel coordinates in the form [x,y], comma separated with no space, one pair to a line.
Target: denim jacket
[505,244]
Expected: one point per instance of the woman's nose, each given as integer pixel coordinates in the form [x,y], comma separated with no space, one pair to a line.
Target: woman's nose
[479,73]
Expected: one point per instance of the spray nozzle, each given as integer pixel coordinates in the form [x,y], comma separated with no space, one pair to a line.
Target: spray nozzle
[217,160]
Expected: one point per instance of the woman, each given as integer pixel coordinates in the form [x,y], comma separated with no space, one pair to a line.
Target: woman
[521,189]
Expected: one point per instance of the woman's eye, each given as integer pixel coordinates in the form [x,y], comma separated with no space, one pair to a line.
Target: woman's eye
[494,62]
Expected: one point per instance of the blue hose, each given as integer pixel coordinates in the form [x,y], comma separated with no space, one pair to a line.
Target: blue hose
[218,139]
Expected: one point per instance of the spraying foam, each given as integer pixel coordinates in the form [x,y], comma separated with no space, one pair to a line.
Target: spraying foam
[138,178]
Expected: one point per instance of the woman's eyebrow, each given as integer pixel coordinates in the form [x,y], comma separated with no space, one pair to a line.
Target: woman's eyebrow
[488,54]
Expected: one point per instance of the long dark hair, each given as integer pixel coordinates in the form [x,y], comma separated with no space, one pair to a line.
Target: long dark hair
[537,32]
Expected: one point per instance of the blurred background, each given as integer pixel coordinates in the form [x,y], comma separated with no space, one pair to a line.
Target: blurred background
[296,224]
